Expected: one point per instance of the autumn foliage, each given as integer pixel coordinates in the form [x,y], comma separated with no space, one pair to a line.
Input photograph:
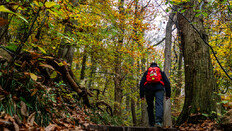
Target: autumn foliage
[68,64]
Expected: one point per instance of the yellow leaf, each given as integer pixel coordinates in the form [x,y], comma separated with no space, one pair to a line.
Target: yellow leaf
[42,50]
[60,64]
[50,4]
[4,9]
[36,3]
[54,13]
[18,7]
[33,76]
[53,75]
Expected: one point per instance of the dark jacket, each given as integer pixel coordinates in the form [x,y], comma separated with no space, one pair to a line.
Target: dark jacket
[154,86]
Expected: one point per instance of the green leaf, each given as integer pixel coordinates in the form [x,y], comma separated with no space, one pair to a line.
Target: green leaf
[17,64]
[206,115]
[40,4]
[182,11]
[4,9]
[204,14]
[42,50]
[230,6]
[50,4]
[224,102]
[197,10]
[21,17]
[198,14]
[53,75]
[219,114]
[60,64]
[11,47]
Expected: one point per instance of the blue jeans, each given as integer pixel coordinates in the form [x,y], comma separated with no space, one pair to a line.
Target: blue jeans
[159,96]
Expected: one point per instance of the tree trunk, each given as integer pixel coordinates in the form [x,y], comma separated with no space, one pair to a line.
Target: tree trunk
[66,50]
[127,102]
[133,113]
[200,84]
[179,71]
[144,114]
[93,69]
[117,79]
[179,83]
[167,67]
[168,44]
[179,76]
[4,36]
[84,59]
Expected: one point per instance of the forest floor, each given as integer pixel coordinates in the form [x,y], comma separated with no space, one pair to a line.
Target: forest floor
[8,122]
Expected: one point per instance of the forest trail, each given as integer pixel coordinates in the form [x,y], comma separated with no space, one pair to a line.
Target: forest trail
[121,128]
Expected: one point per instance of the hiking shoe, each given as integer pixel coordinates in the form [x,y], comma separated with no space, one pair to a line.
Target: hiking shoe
[158,124]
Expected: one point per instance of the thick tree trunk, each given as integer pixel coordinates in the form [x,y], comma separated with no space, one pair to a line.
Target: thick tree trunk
[167,67]
[200,84]
[168,45]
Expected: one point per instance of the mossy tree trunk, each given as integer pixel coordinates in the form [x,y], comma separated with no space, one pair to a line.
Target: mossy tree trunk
[200,85]
[66,49]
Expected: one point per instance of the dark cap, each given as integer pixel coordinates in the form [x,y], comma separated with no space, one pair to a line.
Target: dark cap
[153,64]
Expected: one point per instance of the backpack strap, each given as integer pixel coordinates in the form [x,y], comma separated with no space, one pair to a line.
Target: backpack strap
[162,82]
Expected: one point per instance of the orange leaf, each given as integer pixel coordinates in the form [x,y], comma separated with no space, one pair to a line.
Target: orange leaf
[3,22]
[48,66]
[33,93]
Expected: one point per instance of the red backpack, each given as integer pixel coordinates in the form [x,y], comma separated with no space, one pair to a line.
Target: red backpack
[154,76]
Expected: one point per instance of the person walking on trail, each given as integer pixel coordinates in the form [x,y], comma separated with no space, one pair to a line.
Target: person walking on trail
[153,84]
